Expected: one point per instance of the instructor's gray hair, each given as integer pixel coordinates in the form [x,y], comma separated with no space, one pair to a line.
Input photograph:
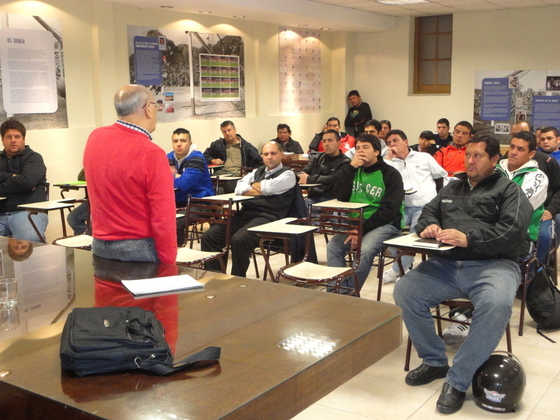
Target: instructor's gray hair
[129,101]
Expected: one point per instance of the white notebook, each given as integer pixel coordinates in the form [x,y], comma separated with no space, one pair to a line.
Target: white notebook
[162,285]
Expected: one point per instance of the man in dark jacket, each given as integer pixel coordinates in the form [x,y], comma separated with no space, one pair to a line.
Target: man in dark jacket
[23,177]
[284,139]
[484,216]
[232,151]
[321,169]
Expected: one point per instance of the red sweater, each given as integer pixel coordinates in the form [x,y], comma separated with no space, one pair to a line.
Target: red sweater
[451,159]
[130,189]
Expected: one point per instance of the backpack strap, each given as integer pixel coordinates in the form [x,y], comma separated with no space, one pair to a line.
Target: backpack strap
[165,368]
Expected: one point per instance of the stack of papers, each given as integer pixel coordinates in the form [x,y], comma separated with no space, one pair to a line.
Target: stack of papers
[160,285]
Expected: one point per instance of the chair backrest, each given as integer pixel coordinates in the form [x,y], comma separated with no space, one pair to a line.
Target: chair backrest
[200,211]
[332,221]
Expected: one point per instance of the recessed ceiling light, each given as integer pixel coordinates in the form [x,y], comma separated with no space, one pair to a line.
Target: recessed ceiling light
[205,12]
[239,16]
[166,7]
[325,29]
[401,2]
[303,25]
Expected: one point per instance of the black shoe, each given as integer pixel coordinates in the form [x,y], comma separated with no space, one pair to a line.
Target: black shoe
[450,400]
[425,374]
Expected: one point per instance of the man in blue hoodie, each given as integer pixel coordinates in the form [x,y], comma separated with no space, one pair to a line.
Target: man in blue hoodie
[190,171]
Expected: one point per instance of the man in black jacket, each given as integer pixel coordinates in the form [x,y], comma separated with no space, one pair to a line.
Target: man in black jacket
[320,170]
[484,216]
[232,151]
[23,177]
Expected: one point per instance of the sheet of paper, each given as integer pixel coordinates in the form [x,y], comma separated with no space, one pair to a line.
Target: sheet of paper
[161,285]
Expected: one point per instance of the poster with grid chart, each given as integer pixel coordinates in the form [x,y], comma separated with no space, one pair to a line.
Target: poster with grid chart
[300,71]
[219,77]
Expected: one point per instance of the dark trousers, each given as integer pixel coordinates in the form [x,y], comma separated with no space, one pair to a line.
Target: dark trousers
[242,242]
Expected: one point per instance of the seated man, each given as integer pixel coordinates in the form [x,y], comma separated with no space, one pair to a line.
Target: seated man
[23,179]
[78,218]
[346,141]
[272,185]
[372,127]
[191,174]
[425,144]
[452,157]
[483,215]
[443,138]
[232,151]
[368,179]
[321,169]
[284,139]
[419,172]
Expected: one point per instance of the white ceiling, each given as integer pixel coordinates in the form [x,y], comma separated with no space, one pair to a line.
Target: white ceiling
[338,15]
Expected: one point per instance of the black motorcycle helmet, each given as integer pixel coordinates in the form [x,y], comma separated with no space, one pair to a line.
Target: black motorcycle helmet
[499,383]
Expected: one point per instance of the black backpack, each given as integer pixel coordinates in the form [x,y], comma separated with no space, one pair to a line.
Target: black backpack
[543,301]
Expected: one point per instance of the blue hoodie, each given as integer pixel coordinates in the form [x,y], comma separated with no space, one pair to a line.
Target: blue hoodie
[193,179]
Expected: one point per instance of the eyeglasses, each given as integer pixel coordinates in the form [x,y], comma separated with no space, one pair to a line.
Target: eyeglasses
[146,104]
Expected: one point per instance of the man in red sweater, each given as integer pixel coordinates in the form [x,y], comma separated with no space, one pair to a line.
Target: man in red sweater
[130,184]
[452,157]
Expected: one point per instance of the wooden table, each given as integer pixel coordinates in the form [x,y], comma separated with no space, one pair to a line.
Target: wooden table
[257,378]
[336,204]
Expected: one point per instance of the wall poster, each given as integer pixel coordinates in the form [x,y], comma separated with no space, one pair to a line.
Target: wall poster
[503,97]
[32,71]
[192,75]
[300,71]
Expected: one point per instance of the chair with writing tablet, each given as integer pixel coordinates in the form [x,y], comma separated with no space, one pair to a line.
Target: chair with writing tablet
[200,211]
[329,221]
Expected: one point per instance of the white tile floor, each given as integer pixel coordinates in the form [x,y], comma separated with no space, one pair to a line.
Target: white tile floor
[380,392]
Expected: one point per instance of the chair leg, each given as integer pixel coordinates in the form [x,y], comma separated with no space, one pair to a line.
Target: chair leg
[380,265]
[508,338]
[408,354]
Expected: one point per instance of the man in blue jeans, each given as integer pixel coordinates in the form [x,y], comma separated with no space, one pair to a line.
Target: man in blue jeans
[483,215]
[367,179]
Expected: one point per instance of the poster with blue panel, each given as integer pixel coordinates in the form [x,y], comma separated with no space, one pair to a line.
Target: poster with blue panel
[502,98]
[147,61]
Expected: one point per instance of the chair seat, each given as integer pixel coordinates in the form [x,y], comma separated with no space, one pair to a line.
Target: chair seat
[314,272]
[78,241]
[188,255]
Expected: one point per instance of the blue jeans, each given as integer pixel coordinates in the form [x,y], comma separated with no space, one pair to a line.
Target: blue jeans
[546,235]
[411,215]
[16,224]
[126,249]
[372,243]
[489,284]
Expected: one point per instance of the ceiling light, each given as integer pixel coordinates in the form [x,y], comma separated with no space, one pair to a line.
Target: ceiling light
[205,12]
[303,25]
[239,16]
[325,29]
[401,2]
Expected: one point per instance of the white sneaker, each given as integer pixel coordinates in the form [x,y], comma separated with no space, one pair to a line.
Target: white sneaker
[390,276]
[455,333]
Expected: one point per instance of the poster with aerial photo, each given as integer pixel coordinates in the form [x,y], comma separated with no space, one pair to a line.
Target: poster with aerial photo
[32,71]
[192,75]
[502,98]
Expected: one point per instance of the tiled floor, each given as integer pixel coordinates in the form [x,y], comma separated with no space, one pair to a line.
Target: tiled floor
[380,392]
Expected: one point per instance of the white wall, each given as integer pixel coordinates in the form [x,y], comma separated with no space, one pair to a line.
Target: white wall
[494,40]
